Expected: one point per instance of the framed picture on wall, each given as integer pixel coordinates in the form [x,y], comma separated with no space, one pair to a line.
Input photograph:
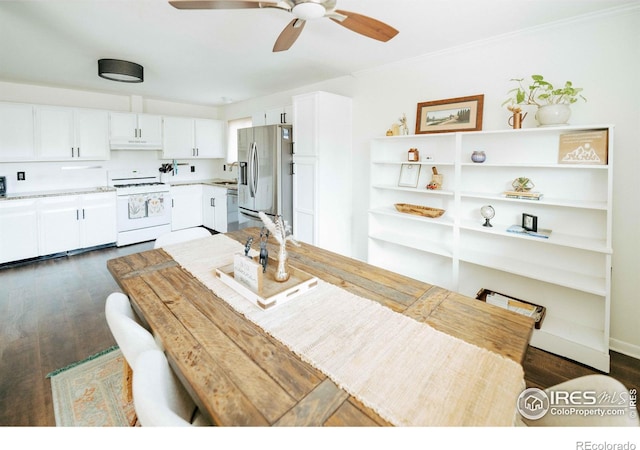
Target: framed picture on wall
[453,114]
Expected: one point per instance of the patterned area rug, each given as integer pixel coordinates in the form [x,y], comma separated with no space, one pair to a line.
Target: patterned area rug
[89,393]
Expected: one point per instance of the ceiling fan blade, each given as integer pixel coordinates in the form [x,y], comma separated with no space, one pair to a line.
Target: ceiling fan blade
[221,4]
[289,35]
[366,26]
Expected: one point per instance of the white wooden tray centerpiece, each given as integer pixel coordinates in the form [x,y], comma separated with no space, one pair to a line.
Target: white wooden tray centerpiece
[267,282]
[245,277]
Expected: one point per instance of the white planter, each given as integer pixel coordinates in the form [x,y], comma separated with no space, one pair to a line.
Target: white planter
[553,114]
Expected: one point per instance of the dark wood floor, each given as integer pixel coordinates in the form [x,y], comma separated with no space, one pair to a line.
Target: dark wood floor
[52,314]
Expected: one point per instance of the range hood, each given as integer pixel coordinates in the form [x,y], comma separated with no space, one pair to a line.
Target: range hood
[134,144]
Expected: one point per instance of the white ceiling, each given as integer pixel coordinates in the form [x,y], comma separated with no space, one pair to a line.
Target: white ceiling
[204,56]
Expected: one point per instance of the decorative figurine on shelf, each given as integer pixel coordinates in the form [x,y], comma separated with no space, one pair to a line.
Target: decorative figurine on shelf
[522,184]
[436,180]
[247,247]
[264,254]
[404,128]
[281,231]
[488,213]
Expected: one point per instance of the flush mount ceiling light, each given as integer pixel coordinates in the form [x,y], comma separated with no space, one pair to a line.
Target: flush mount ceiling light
[308,11]
[118,70]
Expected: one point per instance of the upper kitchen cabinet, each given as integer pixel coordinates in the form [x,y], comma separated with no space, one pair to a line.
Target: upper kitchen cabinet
[70,133]
[132,131]
[16,132]
[282,115]
[186,137]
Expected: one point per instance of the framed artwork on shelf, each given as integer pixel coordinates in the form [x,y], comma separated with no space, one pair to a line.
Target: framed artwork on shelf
[529,222]
[584,147]
[409,174]
[453,114]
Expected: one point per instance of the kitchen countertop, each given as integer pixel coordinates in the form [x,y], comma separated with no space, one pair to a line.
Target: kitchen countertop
[219,182]
[56,193]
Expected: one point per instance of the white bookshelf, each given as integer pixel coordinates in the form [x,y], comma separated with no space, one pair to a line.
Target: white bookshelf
[569,273]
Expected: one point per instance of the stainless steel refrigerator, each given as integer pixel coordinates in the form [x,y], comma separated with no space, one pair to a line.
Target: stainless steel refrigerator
[265,157]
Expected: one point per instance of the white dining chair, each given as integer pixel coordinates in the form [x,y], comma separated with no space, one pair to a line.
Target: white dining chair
[159,398]
[187,234]
[131,337]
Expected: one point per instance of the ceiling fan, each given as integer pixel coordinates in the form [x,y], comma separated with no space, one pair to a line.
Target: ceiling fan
[302,10]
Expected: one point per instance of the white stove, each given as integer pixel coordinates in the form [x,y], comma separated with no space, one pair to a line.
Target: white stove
[143,205]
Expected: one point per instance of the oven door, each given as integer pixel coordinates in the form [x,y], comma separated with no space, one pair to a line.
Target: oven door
[138,211]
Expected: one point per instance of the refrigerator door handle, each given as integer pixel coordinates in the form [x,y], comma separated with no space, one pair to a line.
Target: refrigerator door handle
[256,171]
[251,171]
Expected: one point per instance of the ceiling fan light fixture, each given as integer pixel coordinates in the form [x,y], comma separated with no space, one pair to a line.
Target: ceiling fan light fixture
[308,11]
[119,70]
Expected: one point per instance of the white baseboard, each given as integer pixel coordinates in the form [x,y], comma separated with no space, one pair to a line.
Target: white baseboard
[625,348]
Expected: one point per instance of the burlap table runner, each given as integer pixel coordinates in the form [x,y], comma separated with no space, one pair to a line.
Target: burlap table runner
[408,372]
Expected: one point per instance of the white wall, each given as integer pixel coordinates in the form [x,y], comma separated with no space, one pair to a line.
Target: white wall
[41,176]
[600,53]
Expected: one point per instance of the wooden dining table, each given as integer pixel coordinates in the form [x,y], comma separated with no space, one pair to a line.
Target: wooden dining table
[238,374]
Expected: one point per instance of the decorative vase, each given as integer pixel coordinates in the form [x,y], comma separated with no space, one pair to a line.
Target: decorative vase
[478,156]
[553,114]
[282,274]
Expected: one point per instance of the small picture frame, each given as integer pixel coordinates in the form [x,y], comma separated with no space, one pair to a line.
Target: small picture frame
[409,174]
[529,222]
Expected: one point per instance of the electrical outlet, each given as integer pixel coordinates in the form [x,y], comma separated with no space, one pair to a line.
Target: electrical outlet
[21,176]
[193,168]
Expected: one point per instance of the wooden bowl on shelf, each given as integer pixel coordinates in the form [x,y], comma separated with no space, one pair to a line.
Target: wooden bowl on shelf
[425,211]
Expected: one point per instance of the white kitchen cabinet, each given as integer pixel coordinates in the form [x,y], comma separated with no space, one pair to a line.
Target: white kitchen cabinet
[190,138]
[569,272]
[72,222]
[59,224]
[132,131]
[282,115]
[186,202]
[322,177]
[99,219]
[18,230]
[17,132]
[71,133]
[214,208]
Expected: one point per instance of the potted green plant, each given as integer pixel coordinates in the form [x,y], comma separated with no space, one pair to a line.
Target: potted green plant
[553,103]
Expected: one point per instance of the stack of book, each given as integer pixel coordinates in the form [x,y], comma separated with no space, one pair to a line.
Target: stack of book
[540,233]
[526,195]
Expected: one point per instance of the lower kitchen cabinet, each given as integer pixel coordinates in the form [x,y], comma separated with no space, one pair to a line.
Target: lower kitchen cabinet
[18,230]
[186,202]
[214,208]
[76,221]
